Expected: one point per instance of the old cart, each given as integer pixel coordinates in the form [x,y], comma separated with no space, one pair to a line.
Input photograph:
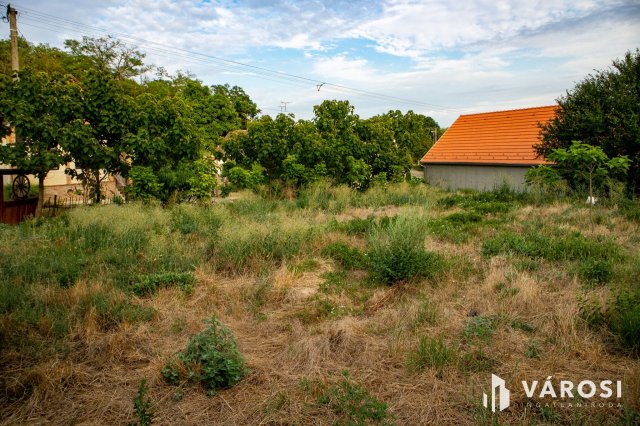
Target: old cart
[15,203]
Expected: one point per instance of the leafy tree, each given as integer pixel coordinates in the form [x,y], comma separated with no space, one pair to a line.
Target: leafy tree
[40,107]
[166,141]
[244,107]
[95,139]
[585,165]
[41,57]
[109,54]
[603,110]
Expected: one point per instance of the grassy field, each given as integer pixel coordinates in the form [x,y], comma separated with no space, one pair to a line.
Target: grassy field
[392,306]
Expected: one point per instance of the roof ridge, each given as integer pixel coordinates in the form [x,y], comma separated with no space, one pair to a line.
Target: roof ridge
[509,110]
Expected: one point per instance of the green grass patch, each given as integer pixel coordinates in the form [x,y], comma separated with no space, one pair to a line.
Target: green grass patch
[430,353]
[480,327]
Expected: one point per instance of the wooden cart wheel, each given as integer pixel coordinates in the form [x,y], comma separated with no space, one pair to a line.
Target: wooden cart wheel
[21,187]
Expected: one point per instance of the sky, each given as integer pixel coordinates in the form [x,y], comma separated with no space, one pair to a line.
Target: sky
[438,58]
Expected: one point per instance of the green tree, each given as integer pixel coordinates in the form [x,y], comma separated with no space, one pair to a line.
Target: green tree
[585,165]
[95,138]
[108,54]
[39,107]
[603,110]
[166,142]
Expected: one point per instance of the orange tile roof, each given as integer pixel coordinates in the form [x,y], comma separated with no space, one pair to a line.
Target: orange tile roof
[502,137]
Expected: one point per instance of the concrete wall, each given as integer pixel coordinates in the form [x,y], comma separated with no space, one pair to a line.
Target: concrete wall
[482,178]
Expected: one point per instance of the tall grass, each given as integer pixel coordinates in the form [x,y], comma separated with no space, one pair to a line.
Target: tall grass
[396,252]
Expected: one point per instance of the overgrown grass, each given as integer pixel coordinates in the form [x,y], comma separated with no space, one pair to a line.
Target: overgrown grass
[396,253]
[430,352]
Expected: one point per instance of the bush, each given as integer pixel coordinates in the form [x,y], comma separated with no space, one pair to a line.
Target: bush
[595,271]
[397,253]
[210,358]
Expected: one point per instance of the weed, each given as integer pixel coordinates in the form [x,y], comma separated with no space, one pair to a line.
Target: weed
[505,291]
[476,361]
[571,246]
[526,264]
[427,313]
[480,327]
[148,284]
[345,255]
[142,406]
[210,358]
[591,311]
[353,403]
[430,352]
[306,265]
[548,414]
[595,271]
[624,319]
[519,324]
[533,350]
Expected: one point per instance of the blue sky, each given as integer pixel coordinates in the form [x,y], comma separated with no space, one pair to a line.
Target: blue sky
[439,58]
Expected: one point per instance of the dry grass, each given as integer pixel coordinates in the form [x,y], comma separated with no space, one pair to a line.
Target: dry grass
[96,382]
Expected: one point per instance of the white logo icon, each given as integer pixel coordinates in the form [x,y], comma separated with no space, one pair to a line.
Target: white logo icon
[503,394]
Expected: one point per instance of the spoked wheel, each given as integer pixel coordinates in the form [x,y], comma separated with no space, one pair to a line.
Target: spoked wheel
[21,187]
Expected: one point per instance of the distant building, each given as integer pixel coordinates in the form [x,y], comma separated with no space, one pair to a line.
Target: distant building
[483,151]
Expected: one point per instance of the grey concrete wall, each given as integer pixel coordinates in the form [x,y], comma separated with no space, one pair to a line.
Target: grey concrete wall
[482,178]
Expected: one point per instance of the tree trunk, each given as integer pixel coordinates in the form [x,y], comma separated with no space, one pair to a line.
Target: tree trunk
[40,196]
[98,194]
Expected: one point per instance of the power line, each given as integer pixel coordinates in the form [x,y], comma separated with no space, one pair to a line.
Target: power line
[221,63]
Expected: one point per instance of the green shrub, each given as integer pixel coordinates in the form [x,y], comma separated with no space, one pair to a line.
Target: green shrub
[353,403]
[148,284]
[211,358]
[347,256]
[397,253]
[430,352]
[595,271]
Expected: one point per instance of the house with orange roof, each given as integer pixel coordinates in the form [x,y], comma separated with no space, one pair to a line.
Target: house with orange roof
[483,151]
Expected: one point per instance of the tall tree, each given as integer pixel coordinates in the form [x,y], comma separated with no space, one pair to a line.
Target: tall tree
[109,54]
[602,110]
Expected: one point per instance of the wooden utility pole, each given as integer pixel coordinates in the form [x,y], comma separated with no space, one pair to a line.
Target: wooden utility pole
[13,32]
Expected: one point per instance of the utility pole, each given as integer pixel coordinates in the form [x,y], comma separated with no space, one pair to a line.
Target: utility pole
[284,106]
[13,32]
